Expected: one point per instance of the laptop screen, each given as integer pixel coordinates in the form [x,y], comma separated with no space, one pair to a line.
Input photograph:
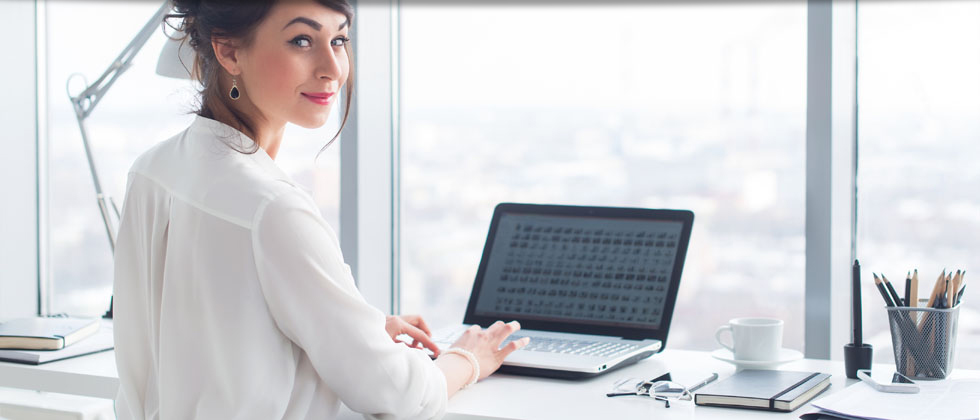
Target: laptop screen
[602,271]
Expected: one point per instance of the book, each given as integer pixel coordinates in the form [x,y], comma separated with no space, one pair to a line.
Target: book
[41,333]
[98,342]
[772,390]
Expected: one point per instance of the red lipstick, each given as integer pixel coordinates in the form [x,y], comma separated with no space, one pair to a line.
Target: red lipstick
[319,98]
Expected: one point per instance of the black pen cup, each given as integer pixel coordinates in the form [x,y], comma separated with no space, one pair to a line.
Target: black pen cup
[924,340]
[855,358]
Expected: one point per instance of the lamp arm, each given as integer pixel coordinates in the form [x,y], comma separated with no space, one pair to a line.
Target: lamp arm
[86,101]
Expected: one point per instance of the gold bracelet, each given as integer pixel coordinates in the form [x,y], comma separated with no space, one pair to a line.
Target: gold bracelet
[469,356]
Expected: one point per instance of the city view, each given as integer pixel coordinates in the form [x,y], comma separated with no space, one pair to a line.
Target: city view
[677,106]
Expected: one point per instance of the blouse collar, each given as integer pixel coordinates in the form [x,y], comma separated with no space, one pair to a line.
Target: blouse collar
[234,138]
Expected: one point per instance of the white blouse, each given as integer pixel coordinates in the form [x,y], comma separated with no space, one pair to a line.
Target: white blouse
[232,299]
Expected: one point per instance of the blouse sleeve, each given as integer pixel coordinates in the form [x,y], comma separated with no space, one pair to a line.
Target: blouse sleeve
[312,297]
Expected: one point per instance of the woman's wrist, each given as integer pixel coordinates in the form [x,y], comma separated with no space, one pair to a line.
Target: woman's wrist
[471,358]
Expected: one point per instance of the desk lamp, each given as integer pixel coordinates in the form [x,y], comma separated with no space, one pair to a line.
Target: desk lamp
[170,64]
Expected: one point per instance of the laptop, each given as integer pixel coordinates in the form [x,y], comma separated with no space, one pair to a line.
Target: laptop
[593,287]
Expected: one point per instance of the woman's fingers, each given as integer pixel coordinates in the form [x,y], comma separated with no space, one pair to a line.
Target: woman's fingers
[496,326]
[500,330]
[513,346]
[420,336]
[420,324]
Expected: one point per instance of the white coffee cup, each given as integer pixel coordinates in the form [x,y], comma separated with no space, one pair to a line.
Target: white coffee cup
[755,339]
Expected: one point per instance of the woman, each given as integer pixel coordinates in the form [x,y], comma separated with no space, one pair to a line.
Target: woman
[232,299]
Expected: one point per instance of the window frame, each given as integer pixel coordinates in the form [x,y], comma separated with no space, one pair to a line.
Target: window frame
[19,164]
[369,181]
[830,165]
[370,219]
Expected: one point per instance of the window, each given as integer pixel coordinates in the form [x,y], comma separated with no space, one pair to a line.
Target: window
[917,175]
[698,107]
[140,110]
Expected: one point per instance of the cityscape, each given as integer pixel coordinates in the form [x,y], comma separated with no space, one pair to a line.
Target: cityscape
[721,133]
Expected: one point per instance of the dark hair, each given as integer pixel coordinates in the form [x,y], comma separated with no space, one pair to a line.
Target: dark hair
[203,20]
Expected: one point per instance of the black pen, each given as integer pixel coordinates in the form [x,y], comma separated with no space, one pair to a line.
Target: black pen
[857,335]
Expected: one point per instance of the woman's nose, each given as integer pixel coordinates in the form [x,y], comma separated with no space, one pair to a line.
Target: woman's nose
[329,66]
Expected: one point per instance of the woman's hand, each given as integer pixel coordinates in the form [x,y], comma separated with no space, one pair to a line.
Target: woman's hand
[485,344]
[414,327]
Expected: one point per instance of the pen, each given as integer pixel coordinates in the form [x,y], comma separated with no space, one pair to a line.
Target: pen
[856,304]
[701,384]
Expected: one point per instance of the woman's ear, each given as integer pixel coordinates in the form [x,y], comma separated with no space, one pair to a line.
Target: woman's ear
[227,54]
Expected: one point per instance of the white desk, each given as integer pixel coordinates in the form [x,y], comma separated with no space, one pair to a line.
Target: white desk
[513,397]
[497,397]
[92,376]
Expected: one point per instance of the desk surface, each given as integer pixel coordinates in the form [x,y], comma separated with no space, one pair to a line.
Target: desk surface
[497,397]
[513,397]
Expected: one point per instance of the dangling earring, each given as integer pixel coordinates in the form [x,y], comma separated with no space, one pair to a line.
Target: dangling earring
[234,94]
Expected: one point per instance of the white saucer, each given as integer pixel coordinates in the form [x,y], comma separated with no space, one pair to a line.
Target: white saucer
[785,356]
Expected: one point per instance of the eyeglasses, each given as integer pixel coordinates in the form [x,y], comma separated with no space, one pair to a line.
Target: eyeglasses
[658,390]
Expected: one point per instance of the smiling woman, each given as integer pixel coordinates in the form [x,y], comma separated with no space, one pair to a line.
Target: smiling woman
[232,297]
[222,33]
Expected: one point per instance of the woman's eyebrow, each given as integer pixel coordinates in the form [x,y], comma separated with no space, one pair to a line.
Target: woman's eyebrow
[313,24]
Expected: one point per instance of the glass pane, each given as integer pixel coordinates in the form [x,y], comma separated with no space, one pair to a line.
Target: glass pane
[917,173]
[698,107]
[140,110]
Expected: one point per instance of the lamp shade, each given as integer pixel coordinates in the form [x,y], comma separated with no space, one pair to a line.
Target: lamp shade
[176,58]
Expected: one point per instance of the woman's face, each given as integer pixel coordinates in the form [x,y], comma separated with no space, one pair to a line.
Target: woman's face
[297,63]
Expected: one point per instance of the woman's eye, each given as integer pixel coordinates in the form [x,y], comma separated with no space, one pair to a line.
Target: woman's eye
[339,42]
[301,41]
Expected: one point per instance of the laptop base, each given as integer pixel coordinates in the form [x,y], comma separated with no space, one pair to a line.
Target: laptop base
[564,374]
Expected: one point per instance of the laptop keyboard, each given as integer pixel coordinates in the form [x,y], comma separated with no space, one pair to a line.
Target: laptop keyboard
[560,345]
[571,346]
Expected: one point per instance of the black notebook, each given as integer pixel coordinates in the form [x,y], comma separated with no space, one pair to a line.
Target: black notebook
[772,390]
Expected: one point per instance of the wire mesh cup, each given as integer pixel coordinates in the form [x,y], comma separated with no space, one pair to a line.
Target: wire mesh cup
[924,340]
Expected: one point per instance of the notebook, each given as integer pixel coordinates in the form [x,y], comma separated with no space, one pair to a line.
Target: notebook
[593,287]
[42,333]
[98,342]
[772,390]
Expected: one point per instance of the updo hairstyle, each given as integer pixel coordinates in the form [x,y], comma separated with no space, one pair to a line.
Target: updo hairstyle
[203,20]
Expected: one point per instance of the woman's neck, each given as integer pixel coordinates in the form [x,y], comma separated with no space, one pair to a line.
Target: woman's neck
[266,134]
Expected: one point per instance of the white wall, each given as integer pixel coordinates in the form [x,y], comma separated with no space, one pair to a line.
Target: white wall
[18,161]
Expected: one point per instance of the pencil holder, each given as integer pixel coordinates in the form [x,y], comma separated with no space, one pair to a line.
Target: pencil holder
[924,340]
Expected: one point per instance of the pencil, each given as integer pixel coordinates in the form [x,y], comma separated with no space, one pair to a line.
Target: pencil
[935,290]
[908,289]
[946,291]
[914,292]
[955,288]
[933,295]
[884,293]
[959,295]
[891,291]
